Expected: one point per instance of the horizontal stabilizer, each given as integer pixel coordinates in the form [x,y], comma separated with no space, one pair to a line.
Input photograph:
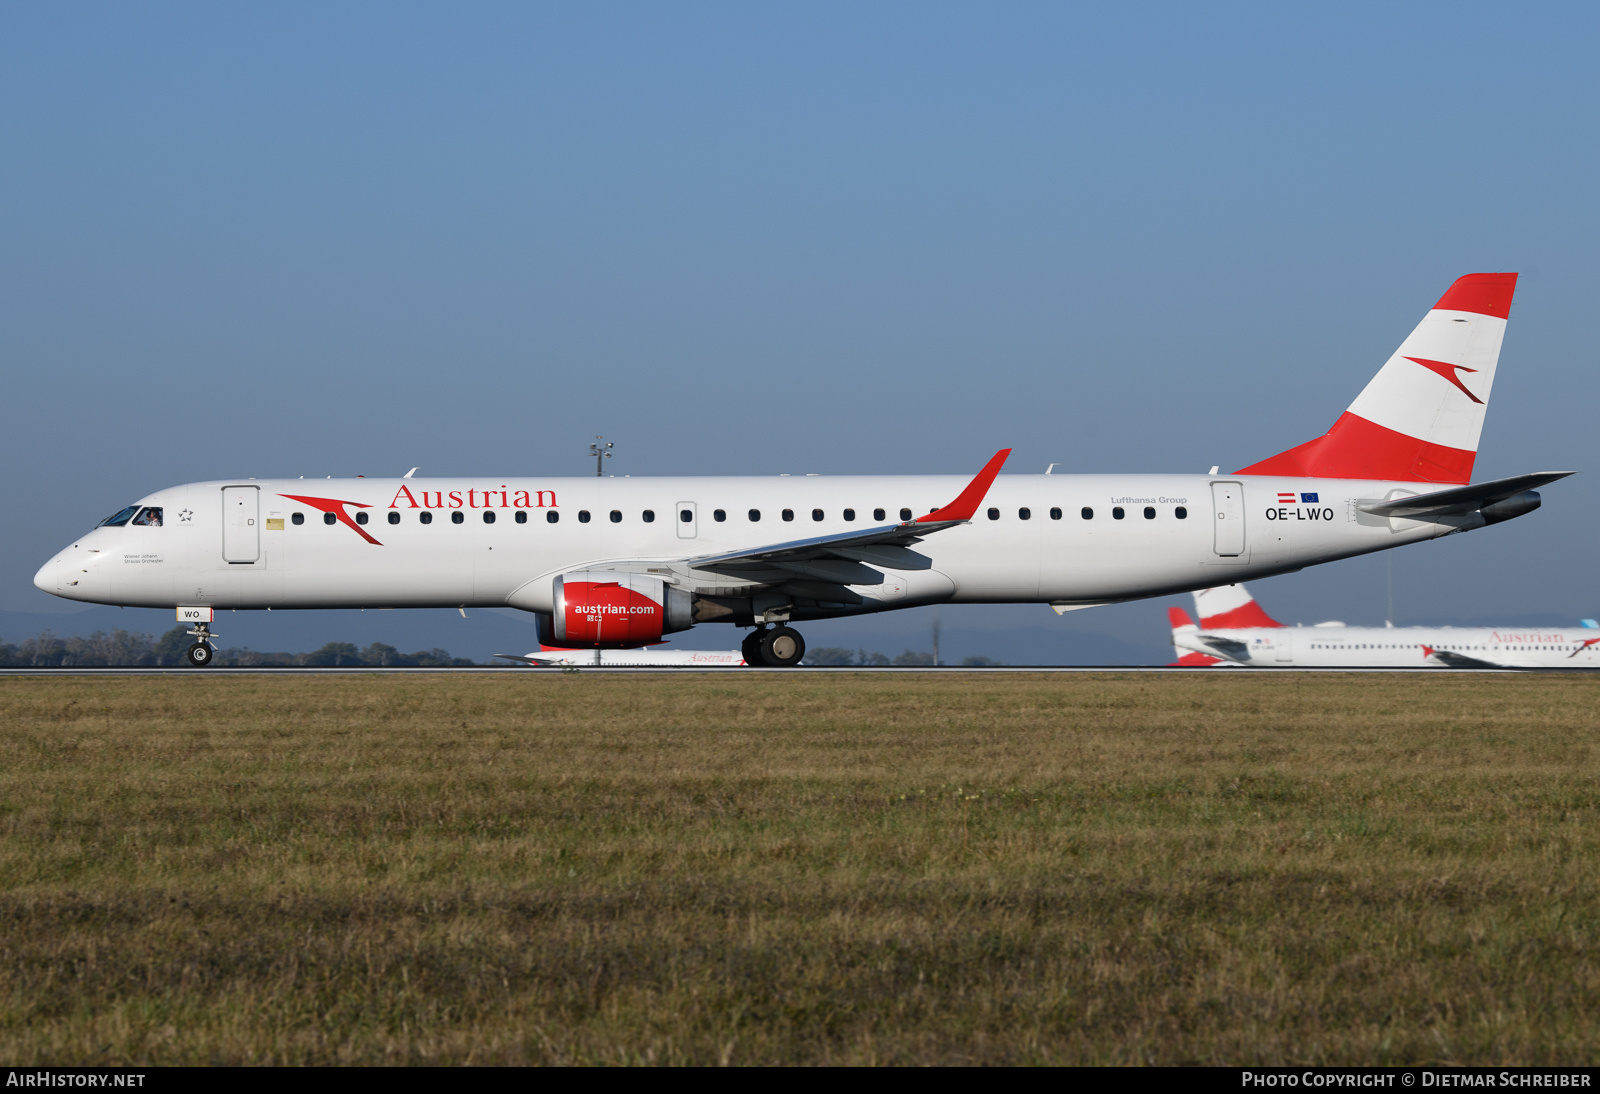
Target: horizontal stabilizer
[1460,499]
[1228,649]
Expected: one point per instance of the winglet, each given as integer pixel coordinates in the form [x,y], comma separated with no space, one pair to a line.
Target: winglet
[972,497]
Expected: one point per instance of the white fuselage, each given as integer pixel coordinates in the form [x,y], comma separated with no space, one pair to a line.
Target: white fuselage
[237,543]
[1328,646]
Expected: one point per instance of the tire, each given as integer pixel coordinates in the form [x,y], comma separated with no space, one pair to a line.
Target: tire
[782,647]
[199,655]
[751,649]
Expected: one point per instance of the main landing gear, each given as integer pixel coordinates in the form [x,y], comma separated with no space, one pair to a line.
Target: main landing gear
[773,647]
[200,654]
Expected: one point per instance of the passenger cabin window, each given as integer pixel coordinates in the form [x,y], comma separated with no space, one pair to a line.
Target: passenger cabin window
[905,514]
[149,517]
[1117,513]
[994,514]
[300,518]
[361,517]
[616,516]
[1055,514]
[488,516]
[816,514]
[1181,513]
[648,516]
[755,515]
[1149,512]
[329,518]
[1087,513]
[788,514]
[522,516]
[458,517]
[879,514]
[423,517]
[583,516]
[1024,514]
[394,518]
[686,516]
[849,514]
[120,517]
[552,517]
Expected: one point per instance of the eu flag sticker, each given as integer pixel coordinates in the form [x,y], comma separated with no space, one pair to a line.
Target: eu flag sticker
[1308,499]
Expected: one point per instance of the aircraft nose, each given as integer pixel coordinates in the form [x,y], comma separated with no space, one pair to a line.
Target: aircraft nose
[46,577]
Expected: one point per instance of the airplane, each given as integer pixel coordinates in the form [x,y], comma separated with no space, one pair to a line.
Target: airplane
[556,657]
[609,563]
[1234,631]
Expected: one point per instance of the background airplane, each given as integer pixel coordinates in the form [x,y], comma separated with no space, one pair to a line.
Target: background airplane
[552,656]
[1234,630]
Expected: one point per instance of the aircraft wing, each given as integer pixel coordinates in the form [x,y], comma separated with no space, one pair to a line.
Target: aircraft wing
[1460,499]
[841,545]
[1453,660]
[537,662]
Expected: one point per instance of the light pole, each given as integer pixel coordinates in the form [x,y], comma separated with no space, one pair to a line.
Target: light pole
[601,453]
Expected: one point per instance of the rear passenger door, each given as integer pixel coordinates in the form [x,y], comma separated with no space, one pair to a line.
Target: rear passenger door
[1227,508]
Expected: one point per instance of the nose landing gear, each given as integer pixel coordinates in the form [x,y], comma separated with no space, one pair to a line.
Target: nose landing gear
[773,647]
[200,654]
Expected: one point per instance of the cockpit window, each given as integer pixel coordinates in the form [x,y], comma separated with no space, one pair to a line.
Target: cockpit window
[149,517]
[119,518]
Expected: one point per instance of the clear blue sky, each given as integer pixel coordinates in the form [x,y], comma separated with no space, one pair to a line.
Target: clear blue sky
[337,239]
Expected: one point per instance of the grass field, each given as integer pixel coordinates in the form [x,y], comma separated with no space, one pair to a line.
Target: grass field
[571,868]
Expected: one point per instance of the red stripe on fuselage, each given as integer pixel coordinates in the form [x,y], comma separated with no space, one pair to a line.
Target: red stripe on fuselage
[1358,449]
[336,507]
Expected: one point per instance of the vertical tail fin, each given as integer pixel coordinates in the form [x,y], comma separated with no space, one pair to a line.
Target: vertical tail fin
[1420,417]
[1230,607]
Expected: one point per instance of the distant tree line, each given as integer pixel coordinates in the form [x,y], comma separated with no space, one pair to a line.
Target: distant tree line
[124,649]
[839,656]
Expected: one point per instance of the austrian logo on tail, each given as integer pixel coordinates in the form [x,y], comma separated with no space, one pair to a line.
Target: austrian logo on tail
[1449,373]
[336,507]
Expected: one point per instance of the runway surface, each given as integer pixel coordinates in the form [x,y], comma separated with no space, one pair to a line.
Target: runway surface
[498,670]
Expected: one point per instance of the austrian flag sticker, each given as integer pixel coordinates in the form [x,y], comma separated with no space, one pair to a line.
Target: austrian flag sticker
[1285,498]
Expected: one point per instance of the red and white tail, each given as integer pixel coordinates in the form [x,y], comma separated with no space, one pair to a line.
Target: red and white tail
[1420,417]
[1182,624]
[1230,608]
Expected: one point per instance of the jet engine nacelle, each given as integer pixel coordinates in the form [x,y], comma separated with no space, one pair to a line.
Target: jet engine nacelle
[608,609]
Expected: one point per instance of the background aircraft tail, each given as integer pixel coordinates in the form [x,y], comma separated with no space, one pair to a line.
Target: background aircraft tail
[1227,608]
[1182,624]
[1420,417]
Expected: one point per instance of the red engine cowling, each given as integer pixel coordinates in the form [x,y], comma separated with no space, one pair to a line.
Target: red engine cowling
[608,609]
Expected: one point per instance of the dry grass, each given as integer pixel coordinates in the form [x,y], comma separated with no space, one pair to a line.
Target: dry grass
[1240,868]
